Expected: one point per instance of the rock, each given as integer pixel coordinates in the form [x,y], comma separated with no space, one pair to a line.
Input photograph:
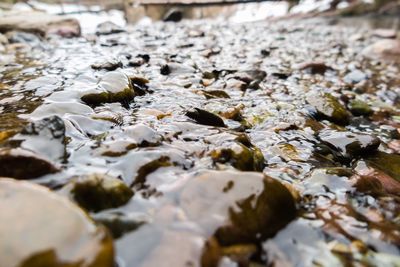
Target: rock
[385,33]
[23,164]
[252,78]
[329,108]
[107,28]
[204,117]
[109,65]
[164,70]
[174,15]
[97,192]
[39,23]
[114,86]
[3,39]
[117,223]
[355,76]
[388,50]
[388,163]
[350,144]
[360,108]
[241,157]
[23,38]
[209,94]
[53,231]
[46,137]
[237,207]
[314,67]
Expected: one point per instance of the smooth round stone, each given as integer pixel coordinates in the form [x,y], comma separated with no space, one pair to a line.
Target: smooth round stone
[40,228]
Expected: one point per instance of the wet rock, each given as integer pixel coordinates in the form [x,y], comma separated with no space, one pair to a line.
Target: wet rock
[204,117]
[252,78]
[140,179]
[385,33]
[314,67]
[360,108]
[350,144]
[97,192]
[243,207]
[355,76]
[328,107]
[240,156]
[17,37]
[113,87]
[174,15]
[117,223]
[46,137]
[209,94]
[388,50]
[388,163]
[165,70]
[3,39]
[54,232]
[109,65]
[40,23]
[107,28]
[23,164]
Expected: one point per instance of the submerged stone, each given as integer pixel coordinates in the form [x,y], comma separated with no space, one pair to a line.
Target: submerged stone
[350,144]
[240,156]
[328,107]
[109,65]
[97,192]
[360,108]
[54,232]
[107,28]
[314,67]
[23,164]
[204,117]
[114,86]
[236,208]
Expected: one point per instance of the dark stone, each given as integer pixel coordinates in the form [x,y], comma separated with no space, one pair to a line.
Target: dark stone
[174,15]
[206,118]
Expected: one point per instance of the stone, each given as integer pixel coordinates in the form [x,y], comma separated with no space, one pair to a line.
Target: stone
[114,86]
[385,33]
[95,192]
[237,207]
[53,231]
[173,15]
[314,67]
[109,65]
[107,28]
[328,107]
[241,157]
[360,108]
[355,76]
[350,144]
[204,117]
[40,23]
[23,164]
[387,50]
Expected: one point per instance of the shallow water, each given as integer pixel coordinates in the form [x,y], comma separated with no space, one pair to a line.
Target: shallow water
[155,148]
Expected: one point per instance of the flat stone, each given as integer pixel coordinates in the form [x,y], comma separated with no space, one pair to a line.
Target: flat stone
[387,49]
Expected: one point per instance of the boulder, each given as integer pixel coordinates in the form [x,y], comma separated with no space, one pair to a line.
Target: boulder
[40,23]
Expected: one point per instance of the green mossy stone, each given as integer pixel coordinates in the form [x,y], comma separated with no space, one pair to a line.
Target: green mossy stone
[329,108]
[360,108]
[97,192]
